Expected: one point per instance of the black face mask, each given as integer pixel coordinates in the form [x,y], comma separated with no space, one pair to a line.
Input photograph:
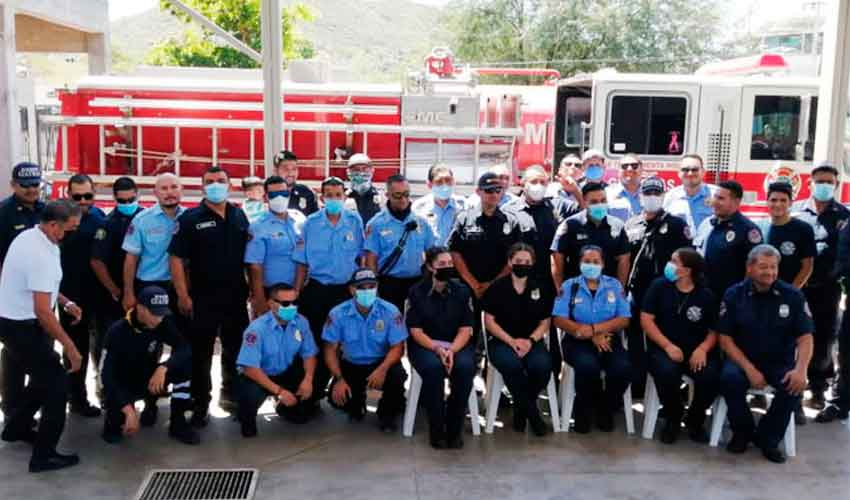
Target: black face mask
[445,273]
[521,270]
[402,215]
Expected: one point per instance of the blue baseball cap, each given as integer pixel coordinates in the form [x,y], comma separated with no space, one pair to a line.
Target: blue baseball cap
[155,299]
[26,174]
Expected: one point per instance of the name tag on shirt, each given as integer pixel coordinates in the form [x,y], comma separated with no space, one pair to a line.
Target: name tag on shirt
[205,225]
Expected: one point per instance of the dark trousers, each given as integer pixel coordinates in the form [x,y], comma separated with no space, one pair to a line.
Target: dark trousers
[315,302]
[391,403]
[81,335]
[445,416]
[228,323]
[524,377]
[29,347]
[771,428]
[637,353]
[136,384]
[395,290]
[108,312]
[252,395]
[588,364]
[842,399]
[668,379]
[13,379]
[823,301]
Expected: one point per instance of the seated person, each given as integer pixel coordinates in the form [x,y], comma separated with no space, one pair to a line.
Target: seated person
[277,358]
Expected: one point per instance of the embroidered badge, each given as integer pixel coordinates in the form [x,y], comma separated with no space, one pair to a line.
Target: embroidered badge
[730,235]
[302,203]
[784,311]
[535,294]
[787,248]
[100,234]
[506,228]
[663,229]
[754,236]
[379,325]
[250,338]
[297,335]
[694,313]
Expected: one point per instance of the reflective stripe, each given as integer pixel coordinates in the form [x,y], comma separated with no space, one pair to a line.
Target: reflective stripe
[188,383]
[180,395]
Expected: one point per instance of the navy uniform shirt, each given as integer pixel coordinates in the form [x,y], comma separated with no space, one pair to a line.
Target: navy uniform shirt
[652,244]
[365,340]
[272,347]
[725,246]
[14,219]
[684,318]
[108,241]
[579,230]
[367,204]
[765,325]
[78,280]
[303,199]
[383,234]
[795,241]
[519,314]
[440,314]
[215,249]
[545,217]
[483,241]
[826,227]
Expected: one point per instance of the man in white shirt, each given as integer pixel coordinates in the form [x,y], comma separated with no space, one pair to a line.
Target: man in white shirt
[29,291]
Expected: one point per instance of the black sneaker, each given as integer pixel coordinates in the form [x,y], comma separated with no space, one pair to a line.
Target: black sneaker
[149,415]
[538,426]
[388,426]
[455,443]
[55,461]
[438,443]
[817,401]
[184,433]
[249,428]
[520,420]
[698,435]
[774,455]
[738,444]
[27,435]
[200,418]
[582,422]
[85,410]
[112,437]
[670,432]
[830,414]
[605,421]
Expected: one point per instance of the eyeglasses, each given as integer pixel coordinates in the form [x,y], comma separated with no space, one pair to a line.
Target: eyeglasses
[275,194]
[630,166]
[125,201]
[398,196]
[689,170]
[492,190]
[82,196]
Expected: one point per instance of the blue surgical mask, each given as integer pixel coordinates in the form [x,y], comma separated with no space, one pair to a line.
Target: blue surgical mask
[334,207]
[590,271]
[598,211]
[670,272]
[443,192]
[594,173]
[216,192]
[366,297]
[287,313]
[823,191]
[127,208]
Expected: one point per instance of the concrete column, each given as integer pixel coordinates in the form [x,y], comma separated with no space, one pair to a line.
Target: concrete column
[272,34]
[832,100]
[9,118]
[100,58]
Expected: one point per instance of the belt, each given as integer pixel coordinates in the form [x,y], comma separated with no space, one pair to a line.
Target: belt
[29,322]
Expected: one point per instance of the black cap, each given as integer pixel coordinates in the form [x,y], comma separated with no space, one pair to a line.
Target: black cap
[489,180]
[589,187]
[155,299]
[652,185]
[780,187]
[27,174]
[363,275]
[825,166]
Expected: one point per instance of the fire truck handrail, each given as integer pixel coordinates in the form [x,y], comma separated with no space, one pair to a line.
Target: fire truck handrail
[198,104]
[416,131]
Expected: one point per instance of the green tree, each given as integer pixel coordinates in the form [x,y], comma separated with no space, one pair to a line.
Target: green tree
[241,18]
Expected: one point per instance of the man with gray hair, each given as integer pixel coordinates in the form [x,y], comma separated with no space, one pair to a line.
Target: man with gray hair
[765,329]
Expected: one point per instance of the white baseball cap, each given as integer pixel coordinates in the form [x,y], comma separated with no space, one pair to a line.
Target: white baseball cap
[592,153]
[359,159]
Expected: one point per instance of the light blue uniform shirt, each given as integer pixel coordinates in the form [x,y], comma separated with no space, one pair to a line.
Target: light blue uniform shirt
[365,340]
[621,203]
[694,209]
[441,220]
[330,252]
[148,237]
[608,302]
[383,234]
[272,244]
[272,347]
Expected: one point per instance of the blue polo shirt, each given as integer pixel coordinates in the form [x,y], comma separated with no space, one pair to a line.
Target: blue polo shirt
[148,238]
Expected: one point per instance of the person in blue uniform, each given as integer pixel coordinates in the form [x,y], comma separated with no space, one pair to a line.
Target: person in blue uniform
[20,211]
[517,318]
[794,238]
[364,341]
[441,206]
[396,240]
[133,370]
[591,226]
[277,358]
[271,248]
[624,196]
[213,291]
[678,315]
[363,197]
[80,285]
[693,198]
[328,251]
[765,329]
[592,310]
[439,317]
[726,238]
[828,217]
[568,181]
[301,197]
[254,205]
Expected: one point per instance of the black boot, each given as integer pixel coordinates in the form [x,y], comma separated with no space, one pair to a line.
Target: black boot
[535,421]
[200,416]
[149,414]
[178,427]
[53,461]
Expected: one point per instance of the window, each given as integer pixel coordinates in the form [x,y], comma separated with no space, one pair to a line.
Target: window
[776,129]
[578,110]
[648,125]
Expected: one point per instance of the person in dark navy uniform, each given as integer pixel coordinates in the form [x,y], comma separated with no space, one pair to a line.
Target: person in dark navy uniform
[794,238]
[653,236]
[212,238]
[363,197]
[591,226]
[301,197]
[133,370]
[277,358]
[726,238]
[80,285]
[828,217]
[765,329]
[18,212]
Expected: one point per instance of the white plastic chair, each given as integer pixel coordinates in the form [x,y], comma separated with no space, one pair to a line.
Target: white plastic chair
[719,419]
[413,405]
[652,404]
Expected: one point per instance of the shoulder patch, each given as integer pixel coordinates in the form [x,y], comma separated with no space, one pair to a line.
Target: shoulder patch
[131,229]
[250,338]
[398,320]
[722,311]
[754,236]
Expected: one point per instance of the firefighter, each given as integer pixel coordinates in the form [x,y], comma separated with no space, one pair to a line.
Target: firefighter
[503,174]
[624,196]
[441,207]
[254,204]
[794,238]
[362,197]
[569,180]
[302,198]
[593,164]
[840,404]
[692,200]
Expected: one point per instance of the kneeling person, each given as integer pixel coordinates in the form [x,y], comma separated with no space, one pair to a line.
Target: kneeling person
[132,369]
[278,358]
[371,334]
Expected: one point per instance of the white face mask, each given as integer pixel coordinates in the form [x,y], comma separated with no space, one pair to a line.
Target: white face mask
[279,204]
[651,204]
[536,191]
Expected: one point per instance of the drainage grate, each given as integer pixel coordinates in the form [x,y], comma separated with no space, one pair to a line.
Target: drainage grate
[199,484]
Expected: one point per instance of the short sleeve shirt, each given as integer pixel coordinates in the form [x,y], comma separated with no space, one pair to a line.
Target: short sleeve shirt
[440,315]
[684,318]
[518,314]
[795,242]
[272,347]
[365,340]
[32,265]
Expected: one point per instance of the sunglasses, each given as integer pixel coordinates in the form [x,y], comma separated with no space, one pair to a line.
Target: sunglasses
[630,166]
[576,164]
[29,185]
[276,194]
[689,170]
[83,196]
[398,196]
[285,303]
[125,201]
[492,190]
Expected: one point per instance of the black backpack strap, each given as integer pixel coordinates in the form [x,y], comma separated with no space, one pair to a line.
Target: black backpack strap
[573,292]
[399,248]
